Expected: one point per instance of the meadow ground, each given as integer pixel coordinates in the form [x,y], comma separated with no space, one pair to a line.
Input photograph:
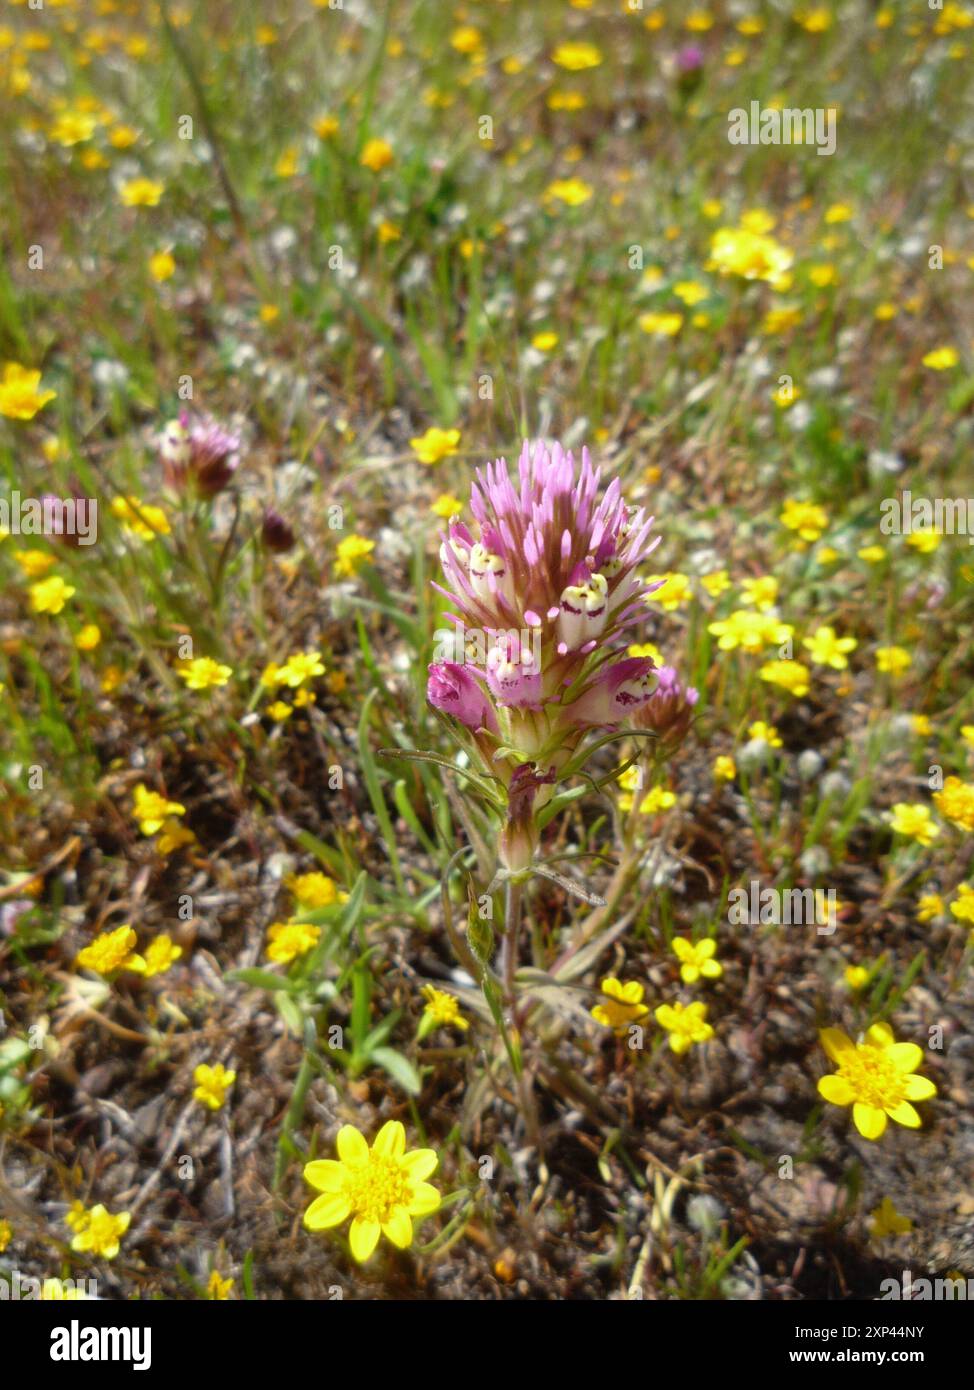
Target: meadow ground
[276,281]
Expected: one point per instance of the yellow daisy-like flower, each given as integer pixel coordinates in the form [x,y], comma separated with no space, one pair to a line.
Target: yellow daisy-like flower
[212,1084]
[162,266]
[956,803]
[750,630]
[102,1232]
[315,890]
[765,733]
[288,940]
[161,955]
[649,649]
[656,799]
[686,1024]
[20,394]
[88,638]
[925,540]
[140,519]
[661,325]
[787,675]
[50,595]
[913,819]
[826,649]
[381,1188]
[376,155]
[141,193]
[326,126]
[34,564]
[673,592]
[299,668]
[435,445]
[577,56]
[110,951]
[6,1235]
[73,128]
[446,506]
[572,192]
[893,661]
[351,552]
[856,977]
[872,554]
[887,1221]
[725,769]
[217,1288]
[877,1077]
[697,959]
[173,836]
[715,583]
[152,810]
[443,1009]
[760,593]
[751,255]
[203,673]
[941,359]
[929,906]
[808,519]
[621,1005]
[963,905]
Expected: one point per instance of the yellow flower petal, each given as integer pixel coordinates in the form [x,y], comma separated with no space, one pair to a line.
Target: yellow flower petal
[324,1175]
[919,1088]
[904,1114]
[835,1042]
[399,1228]
[328,1210]
[836,1090]
[881,1035]
[423,1199]
[351,1146]
[869,1120]
[390,1142]
[364,1235]
[419,1164]
[905,1056]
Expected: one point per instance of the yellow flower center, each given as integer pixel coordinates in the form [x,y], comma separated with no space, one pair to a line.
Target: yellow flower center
[873,1077]
[377,1188]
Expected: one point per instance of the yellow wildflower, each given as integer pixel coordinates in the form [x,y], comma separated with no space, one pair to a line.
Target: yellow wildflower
[381,1188]
[442,1009]
[697,959]
[686,1024]
[913,820]
[877,1077]
[621,1005]
[435,445]
[102,1232]
[826,649]
[110,951]
[50,595]
[956,803]
[351,552]
[151,810]
[212,1084]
